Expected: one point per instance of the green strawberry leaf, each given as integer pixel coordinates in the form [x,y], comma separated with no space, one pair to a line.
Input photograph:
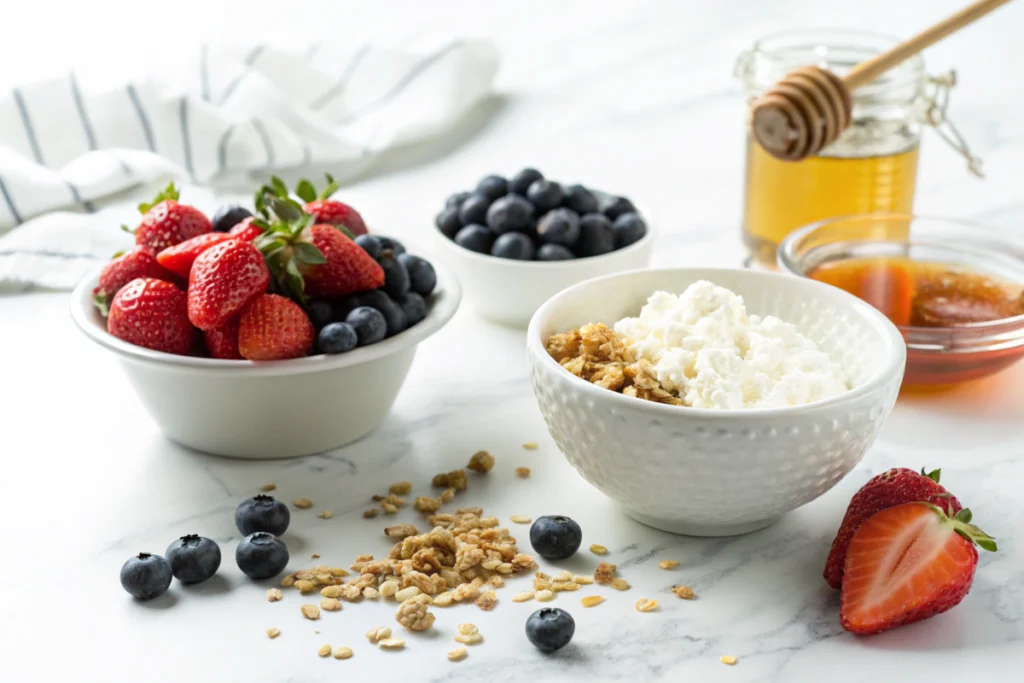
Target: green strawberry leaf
[118,254]
[102,302]
[305,191]
[169,192]
[280,189]
[127,229]
[287,210]
[260,223]
[346,231]
[332,186]
[933,475]
[308,253]
[964,516]
[988,544]
[295,281]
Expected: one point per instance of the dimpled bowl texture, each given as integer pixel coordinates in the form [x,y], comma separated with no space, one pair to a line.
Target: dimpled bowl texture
[718,472]
[509,292]
[271,409]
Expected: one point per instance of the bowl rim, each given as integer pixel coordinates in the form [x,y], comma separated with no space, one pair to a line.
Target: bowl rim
[444,303]
[883,376]
[640,244]
[789,263]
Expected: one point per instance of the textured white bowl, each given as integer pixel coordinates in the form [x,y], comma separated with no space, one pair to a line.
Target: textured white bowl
[509,292]
[715,472]
[273,409]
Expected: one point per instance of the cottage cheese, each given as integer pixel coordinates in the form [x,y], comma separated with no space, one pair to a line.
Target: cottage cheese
[707,349]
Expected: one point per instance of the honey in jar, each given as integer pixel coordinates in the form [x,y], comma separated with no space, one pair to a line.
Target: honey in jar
[871,167]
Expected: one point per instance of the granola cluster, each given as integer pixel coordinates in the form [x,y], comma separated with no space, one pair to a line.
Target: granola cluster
[595,353]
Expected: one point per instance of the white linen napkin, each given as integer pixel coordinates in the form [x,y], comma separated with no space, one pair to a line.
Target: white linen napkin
[74,160]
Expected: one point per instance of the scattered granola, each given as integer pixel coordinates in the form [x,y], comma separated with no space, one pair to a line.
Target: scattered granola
[315,556]
[400,531]
[645,605]
[545,595]
[620,584]
[388,508]
[392,643]
[468,634]
[371,593]
[668,564]
[427,504]
[440,480]
[598,549]
[522,472]
[520,519]
[310,611]
[482,462]
[388,589]
[342,652]
[325,514]
[306,585]
[330,604]
[444,599]
[273,633]
[288,581]
[487,601]
[370,513]
[407,593]
[684,592]
[604,573]
[457,654]
[324,651]
[523,597]
[446,496]
[530,445]
[397,501]
[727,659]
[378,633]
[562,576]
[457,480]
[400,488]
[273,594]
[583,580]
[468,629]
[267,488]
[302,503]
[591,600]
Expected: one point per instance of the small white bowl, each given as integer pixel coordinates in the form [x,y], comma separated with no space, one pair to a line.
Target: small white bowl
[509,292]
[272,409]
[718,472]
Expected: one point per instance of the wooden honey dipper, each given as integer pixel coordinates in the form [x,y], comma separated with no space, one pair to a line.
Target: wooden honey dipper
[811,106]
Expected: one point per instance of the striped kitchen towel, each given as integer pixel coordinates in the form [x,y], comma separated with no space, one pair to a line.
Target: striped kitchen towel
[75,157]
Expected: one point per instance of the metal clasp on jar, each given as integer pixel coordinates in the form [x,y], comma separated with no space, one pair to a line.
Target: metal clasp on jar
[935,115]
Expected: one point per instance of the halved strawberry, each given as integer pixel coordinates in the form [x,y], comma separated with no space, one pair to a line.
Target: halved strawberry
[894,487]
[320,206]
[908,563]
[165,222]
[222,342]
[224,278]
[179,258]
[152,313]
[274,327]
[249,229]
[138,262]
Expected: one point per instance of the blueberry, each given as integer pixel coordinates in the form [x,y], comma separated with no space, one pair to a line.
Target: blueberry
[343,306]
[554,252]
[614,207]
[146,576]
[514,245]
[228,216]
[396,277]
[422,278]
[369,324]
[474,209]
[370,244]
[391,243]
[521,181]
[193,558]
[320,312]
[596,235]
[580,199]
[455,201]
[261,555]
[561,226]
[550,629]
[448,222]
[475,238]
[414,307]
[555,537]
[394,317]
[262,513]
[337,338]
[628,228]
[544,195]
[493,186]
[510,213]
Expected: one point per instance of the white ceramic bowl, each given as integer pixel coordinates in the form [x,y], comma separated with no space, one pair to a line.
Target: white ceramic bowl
[718,472]
[273,409]
[509,292]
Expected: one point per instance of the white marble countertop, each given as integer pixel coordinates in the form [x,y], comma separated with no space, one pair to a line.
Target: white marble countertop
[635,97]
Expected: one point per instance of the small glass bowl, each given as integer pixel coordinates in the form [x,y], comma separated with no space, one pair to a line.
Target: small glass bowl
[935,355]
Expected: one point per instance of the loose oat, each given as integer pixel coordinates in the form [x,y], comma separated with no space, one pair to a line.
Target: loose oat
[471,639]
[620,584]
[446,496]
[273,633]
[604,573]
[444,599]
[482,462]
[520,519]
[392,643]
[330,604]
[406,593]
[378,633]
[668,564]
[400,531]
[388,508]
[457,480]
[337,571]
[302,503]
[562,586]
[522,472]
[324,651]
[388,589]
[497,581]
[583,580]
[562,576]
[487,601]
[315,556]
[591,600]
[400,488]
[523,597]
[310,611]
[325,514]
[413,614]
[545,596]
[371,593]
[645,605]
[274,594]
[530,445]
[684,592]
[267,488]
[440,480]
[306,585]
[598,549]
[727,659]
[342,652]
[397,501]
[370,513]
[467,629]
[426,504]
[288,581]
[457,654]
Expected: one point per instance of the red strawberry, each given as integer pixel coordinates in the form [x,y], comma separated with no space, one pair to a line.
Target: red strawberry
[895,487]
[165,222]
[247,230]
[908,563]
[333,212]
[123,269]
[223,280]
[222,342]
[152,313]
[179,258]
[346,268]
[274,327]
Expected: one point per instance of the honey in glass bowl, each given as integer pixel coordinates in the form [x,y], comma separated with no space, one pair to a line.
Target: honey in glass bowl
[955,291]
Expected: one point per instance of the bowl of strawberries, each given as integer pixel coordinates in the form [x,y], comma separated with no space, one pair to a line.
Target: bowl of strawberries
[223,325]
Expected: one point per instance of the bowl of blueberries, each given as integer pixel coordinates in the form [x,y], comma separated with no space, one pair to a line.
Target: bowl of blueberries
[516,242]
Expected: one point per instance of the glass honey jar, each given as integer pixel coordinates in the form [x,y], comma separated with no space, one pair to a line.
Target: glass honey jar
[871,167]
